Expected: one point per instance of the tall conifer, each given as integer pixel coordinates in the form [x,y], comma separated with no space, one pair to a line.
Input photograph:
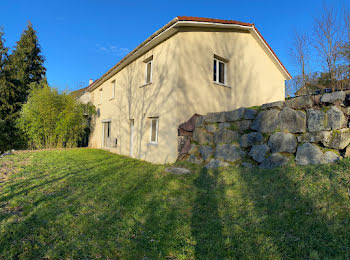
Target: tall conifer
[27,63]
[9,105]
[20,70]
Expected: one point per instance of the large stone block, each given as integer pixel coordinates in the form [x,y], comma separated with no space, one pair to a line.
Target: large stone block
[330,157]
[199,121]
[211,128]
[315,137]
[347,152]
[202,137]
[338,139]
[242,125]
[235,115]
[333,97]
[224,136]
[251,139]
[214,163]
[308,154]
[306,138]
[282,142]
[177,170]
[217,117]
[224,125]
[292,120]
[247,165]
[277,104]
[322,136]
[273,161]
[193,159]
[250,114]
[205,151]
[266,121]
[301,102]
[258,152]
[316,120]
[228,152]
[335,118]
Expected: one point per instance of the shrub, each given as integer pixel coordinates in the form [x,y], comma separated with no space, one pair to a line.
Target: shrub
[51,119]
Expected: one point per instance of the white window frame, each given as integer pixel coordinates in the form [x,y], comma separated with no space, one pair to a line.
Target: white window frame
[104,122]
[217,71]
[113,89]
[101,97]
[151,72]
[157,128]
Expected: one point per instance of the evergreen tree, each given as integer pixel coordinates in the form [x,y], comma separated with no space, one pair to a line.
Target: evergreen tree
[26,63]
[9,104]
[20,70]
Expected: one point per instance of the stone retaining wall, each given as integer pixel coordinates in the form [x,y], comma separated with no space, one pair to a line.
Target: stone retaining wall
[302,130]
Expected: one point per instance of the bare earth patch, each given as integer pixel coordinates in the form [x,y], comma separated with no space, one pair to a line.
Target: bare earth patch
[9,166]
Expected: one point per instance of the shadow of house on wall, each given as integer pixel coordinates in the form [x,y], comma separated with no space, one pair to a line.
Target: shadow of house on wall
[240,89]
[140,99]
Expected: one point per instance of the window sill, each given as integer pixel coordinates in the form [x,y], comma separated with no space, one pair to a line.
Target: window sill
[146,84]
[152,144]
[222,85]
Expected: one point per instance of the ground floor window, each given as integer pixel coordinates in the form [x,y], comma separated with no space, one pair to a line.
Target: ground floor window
[154,121]
[106,128]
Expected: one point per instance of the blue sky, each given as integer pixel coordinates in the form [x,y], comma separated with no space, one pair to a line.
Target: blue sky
[83,39]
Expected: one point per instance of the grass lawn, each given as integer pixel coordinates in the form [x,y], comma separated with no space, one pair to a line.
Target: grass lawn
[86,203]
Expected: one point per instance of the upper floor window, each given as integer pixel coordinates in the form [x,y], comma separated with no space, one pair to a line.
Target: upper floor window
[100,101]
[113,89]
[154,129]
[219,71]
[148,62]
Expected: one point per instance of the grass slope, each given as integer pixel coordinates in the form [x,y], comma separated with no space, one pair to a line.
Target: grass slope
[85,203]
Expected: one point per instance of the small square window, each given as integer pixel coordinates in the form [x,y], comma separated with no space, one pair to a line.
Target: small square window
[154,121]
[219,71]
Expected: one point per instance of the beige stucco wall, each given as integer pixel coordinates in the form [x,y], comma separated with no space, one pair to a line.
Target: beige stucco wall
[252,76]
[182,85]
[135,101]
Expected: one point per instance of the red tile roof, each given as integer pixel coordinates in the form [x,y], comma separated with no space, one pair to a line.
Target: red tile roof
[78,93]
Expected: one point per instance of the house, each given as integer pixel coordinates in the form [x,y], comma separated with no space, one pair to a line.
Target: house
[82,94]
[191,65]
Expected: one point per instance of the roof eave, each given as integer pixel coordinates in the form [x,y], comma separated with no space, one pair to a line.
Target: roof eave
[170,29]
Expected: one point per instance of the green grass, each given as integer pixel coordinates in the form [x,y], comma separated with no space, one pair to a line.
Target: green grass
[85,203]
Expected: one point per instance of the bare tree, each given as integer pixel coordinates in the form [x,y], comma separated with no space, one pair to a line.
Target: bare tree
[300,56]
[346,45]
[327,39]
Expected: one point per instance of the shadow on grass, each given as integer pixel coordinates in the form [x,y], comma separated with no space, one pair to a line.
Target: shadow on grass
[206,223]
[289,214]
[116,207]
[111,208]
